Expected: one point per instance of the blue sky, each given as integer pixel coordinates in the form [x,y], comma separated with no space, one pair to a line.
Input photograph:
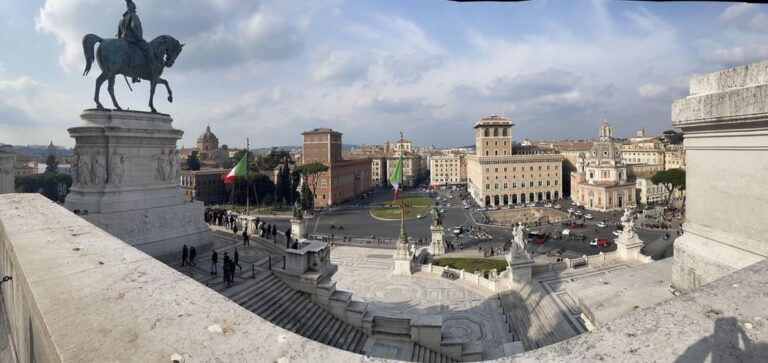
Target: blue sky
[270,69]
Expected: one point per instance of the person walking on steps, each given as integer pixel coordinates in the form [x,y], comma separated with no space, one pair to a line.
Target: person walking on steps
[192,256]
[214,260]
[246,240]
[237,258]
[226,268]
[184,256]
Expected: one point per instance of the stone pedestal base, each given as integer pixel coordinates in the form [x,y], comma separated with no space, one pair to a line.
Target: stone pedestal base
[520,267]
[125,173]
[297,229]
[628,248]
[437,247]
[403,265]
[7,170]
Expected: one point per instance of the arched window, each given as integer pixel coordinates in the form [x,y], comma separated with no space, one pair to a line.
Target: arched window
[495,131]
[487,132]
[504,131]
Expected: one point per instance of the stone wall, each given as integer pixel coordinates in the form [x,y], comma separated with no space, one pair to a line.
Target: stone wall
[725,122]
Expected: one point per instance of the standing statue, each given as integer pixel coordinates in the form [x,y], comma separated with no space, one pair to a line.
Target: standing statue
[162,165]
[298,214]
[628,223]
[99,168]
[173,165]
[84,168]
[130,55]
[437,217]
[74,164]
[520,240]
[117,168]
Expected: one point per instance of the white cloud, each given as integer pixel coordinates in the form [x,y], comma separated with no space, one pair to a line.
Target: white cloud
[339,66]
[737,55]
[746,17]
[651,90]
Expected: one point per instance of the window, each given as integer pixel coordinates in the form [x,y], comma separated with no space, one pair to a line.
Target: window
[531,184]
[487,186]
[487,132]
[506,186]
[486,152]
[539,182]
[323,183]
[496,186]
[547,182]
[496,170]
[495,131]
[505,170]
[514,185]
[496,152]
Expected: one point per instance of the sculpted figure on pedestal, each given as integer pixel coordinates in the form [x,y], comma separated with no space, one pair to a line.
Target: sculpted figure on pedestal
[84,168]
[519,235]
[99,168]
[117,168]
[628,223]
[173,167]
[74,165]
[162,166]
[437,217]
[130,55]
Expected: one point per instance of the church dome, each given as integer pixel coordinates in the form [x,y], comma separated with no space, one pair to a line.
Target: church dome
[207,136]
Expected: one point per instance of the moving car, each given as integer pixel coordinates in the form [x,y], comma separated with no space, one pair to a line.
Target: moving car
[419,216]
[601,224]
[575,224]
[570,210]
[599,242]
[457,231]
[557,206]
[548,205]
[588,216]
[566,232]
[577,213]
[616,233]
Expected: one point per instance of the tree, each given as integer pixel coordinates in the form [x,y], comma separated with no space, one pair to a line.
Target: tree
[52,164]
[272,160]
[193,161]
[307,198]
[673,137]
[283,185]
[295,185]
[310,173]
[671,179]
[52,185]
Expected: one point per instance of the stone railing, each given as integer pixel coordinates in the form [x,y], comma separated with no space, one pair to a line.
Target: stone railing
[495,282]
[570,263]
[78,294]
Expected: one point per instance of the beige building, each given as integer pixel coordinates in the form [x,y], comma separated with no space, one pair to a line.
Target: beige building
[647,151]
[412,168]
[674,157]
[500,174]
[600,180]
[447,169]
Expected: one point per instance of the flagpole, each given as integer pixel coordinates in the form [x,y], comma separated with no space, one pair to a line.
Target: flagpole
[247,183]
[402,204]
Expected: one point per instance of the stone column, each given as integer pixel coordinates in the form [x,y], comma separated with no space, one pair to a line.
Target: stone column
[520,269]
[628,246]
[725,122]
[7,170]
[437,247]
[125,177]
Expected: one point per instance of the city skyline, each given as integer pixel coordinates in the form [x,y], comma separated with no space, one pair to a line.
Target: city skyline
[429,69]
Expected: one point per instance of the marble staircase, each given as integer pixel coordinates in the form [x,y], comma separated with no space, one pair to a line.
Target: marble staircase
[423,354]
[534,317]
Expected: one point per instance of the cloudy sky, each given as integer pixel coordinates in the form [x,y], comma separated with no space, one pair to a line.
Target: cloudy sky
[270,69]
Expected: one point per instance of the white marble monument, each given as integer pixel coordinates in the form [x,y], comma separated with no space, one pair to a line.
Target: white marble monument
[7,169]
[520,263]
[725,122]
[437,246]
[628,244]
[125,172]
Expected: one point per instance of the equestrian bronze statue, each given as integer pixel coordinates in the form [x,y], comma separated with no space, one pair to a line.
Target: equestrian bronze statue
[130,55]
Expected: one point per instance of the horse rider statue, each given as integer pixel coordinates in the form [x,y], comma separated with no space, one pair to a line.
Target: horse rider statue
[130,29]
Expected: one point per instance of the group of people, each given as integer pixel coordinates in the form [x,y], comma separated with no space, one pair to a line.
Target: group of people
[220,217]
[188,256]
[229,264]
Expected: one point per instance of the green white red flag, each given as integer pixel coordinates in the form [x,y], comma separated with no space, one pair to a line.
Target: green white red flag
[397,175]
[238,171]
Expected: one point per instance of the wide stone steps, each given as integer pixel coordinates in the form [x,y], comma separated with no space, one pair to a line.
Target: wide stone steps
[278,303]
[535,319]
[423,354]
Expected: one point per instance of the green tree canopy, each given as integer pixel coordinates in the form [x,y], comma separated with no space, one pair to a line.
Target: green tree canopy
[671,179]
[272,160]
[311,170]
[193,161]
[52,185]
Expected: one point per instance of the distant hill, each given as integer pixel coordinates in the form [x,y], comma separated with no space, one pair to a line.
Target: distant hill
[40,150]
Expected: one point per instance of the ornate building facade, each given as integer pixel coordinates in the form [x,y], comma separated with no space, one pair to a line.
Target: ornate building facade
[500,174]
[600,181]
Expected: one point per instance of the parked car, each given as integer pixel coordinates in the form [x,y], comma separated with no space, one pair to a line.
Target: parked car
[575,224]
[588,216]
[457,231]
[557,206]
[466,207]
[616,233]
[601,224]
[570,210]
[566,232]
[577,213]
[577,237]
[599,242]
[548,205]
[419,216]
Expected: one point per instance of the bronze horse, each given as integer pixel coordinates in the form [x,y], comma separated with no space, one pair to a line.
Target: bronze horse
[117,56]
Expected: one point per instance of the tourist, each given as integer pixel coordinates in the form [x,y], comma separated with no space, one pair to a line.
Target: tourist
[237,258]
[274,233]
[234,230]
[184,256]
[214,260]
[246,241]
[192,255]
[226,267]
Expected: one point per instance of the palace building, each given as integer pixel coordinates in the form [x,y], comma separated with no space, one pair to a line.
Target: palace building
[502,174]
[600,181]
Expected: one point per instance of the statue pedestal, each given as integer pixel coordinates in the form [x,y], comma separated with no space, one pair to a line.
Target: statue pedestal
[628,247]
[520,266]
[403,265]
[297,229]
[7,170]
[437,247]
[125,180]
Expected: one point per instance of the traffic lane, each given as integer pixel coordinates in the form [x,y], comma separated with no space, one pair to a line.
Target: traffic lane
[358,222]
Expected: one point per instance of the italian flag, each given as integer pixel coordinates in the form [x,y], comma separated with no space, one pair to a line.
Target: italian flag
[238,170]
[397,175]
